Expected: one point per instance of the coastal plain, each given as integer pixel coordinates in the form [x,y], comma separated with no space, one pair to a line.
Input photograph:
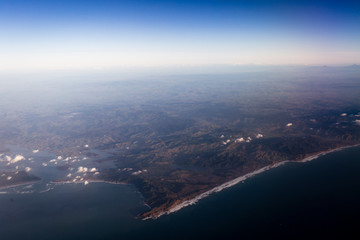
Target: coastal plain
[176,137]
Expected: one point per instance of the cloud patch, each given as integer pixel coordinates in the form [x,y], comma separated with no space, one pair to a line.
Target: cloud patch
[82,170]
[11,160]
[259,135]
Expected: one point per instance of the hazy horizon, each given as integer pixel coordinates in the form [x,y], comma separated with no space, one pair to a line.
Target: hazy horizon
[104,35]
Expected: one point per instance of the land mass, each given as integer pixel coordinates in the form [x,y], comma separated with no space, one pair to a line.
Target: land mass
[9,179]
[179,137]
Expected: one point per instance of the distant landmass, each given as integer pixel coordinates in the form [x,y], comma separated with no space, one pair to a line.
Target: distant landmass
[8,179]
[177,137]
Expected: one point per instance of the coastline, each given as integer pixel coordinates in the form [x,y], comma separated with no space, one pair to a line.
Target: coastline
[18,184]
[237,180]
[89,181]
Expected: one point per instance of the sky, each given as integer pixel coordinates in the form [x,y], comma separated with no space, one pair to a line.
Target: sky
[104,34]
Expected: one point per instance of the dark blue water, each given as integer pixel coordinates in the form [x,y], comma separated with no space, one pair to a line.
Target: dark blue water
[318,199]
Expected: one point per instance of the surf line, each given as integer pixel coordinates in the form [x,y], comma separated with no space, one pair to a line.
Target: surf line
[243,178]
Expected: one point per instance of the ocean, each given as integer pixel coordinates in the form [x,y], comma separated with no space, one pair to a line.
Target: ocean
[316,199]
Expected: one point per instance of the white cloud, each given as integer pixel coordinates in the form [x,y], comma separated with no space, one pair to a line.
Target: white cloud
[44,164]
[240,140]
[82,169]
[357,121]
[69,175]
[86,146]
[27,169]
[9,178]
[259,135]
[35,151]
[137,172]
[289,124]
[93,170]
[16,159]
[86,183]
[59,157]
[343,114]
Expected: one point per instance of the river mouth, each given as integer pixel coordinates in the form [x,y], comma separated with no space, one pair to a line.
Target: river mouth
[45,169]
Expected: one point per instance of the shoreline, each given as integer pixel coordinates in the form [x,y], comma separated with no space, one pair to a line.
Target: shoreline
[89,181]
[18,184]
[237,180]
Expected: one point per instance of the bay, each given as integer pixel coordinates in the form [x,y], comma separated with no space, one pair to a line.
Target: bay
[316,199]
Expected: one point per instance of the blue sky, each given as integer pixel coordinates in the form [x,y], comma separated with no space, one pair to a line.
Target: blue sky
[110,34]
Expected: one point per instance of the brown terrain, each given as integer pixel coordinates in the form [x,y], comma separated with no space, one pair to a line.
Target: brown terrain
[179,137]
